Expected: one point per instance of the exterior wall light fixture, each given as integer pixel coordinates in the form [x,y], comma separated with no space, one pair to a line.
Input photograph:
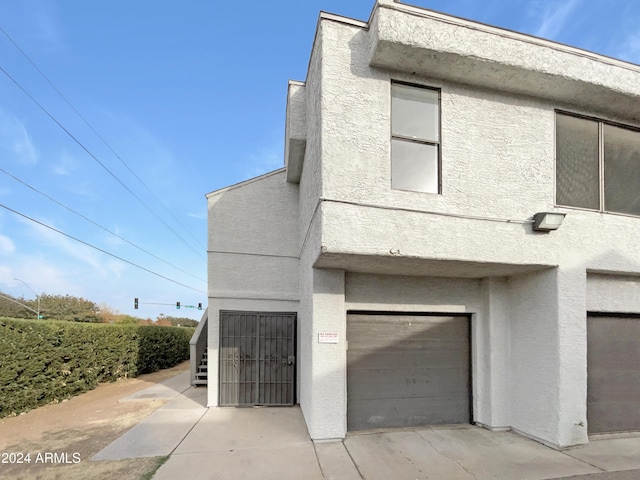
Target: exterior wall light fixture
[547,221]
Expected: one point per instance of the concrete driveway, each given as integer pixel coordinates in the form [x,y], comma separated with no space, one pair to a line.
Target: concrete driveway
[273,443]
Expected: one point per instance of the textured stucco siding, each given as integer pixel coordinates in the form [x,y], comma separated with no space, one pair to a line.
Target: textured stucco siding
[252,260]
[342,239]
[572,354]
[492,144]
[253,240]
[259,216]
[412,294]
[613,293]
[384,232]
[253,276]
[416,40]
[497,150]
[295,130]
[497,153]
[492,354]
[534,355]
[310,189]
[311,175]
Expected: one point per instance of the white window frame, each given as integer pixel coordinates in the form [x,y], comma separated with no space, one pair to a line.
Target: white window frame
[420,141]
[601,161]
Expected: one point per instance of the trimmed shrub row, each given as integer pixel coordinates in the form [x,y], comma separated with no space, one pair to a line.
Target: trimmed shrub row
[47,361]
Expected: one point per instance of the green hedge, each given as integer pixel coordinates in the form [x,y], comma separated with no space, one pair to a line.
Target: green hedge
[47,361]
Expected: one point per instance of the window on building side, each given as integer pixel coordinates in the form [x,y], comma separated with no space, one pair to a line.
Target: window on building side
[597,165]
[415,138]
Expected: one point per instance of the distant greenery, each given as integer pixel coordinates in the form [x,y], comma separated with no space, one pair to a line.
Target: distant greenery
[9,308]
[180,321]
[47,361]
[66,307]
[78,309]
[59,307]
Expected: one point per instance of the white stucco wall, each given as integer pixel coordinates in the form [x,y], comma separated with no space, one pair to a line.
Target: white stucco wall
[497,171]
[535,355]
[295,136]
[325,405]
[412,39]
[613,293]
[412,294]
[252,254]
[497,154]
[273,243]
[547,337]
[492,374]
[492,143]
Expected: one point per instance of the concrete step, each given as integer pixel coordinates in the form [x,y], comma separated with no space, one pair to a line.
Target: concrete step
[202,375]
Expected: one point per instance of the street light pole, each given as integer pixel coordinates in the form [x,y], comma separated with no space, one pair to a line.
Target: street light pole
[37,297]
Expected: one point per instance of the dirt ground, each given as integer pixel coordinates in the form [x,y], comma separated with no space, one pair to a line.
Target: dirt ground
[61,438]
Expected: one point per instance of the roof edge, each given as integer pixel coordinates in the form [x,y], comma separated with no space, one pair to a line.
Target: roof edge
[504,32]
[245,182]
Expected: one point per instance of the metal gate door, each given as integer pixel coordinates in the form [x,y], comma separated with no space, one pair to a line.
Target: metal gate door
[257,358]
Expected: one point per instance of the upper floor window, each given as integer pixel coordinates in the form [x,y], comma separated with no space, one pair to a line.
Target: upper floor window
[597,165]
[415,138]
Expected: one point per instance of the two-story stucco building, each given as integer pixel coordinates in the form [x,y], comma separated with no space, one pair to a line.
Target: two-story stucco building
[390,274]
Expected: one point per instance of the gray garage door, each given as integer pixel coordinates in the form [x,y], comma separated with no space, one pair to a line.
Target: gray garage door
[613,373]
[407,370]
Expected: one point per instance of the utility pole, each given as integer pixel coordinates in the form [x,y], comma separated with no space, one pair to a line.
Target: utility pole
[37,297]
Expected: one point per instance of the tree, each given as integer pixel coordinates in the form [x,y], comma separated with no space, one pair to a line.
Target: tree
[9,307]
[175,321]
[67,307]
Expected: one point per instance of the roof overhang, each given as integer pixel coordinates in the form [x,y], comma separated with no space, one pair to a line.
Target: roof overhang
[425,267]
[430,44]
[295,142]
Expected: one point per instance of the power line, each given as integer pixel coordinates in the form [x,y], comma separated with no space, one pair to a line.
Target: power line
[97,224]
[100,249]
[86,122]
[99,162]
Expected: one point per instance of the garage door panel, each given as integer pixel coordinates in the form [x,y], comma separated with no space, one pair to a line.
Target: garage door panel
[414,382]
[613,417]
[407,370]
[373,331]
[453,355]
[613,374]
[405,412]
[609,385]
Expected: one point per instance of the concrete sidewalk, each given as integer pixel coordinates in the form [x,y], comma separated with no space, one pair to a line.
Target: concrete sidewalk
[273,443]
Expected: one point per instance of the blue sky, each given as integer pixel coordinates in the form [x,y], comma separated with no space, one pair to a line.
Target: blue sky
[149,105]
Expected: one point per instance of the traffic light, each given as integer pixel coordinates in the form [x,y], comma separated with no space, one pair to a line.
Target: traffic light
[135,303]
[178,305]
[200,306]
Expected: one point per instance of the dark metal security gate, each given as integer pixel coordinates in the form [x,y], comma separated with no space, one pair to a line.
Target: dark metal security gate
[257,358]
